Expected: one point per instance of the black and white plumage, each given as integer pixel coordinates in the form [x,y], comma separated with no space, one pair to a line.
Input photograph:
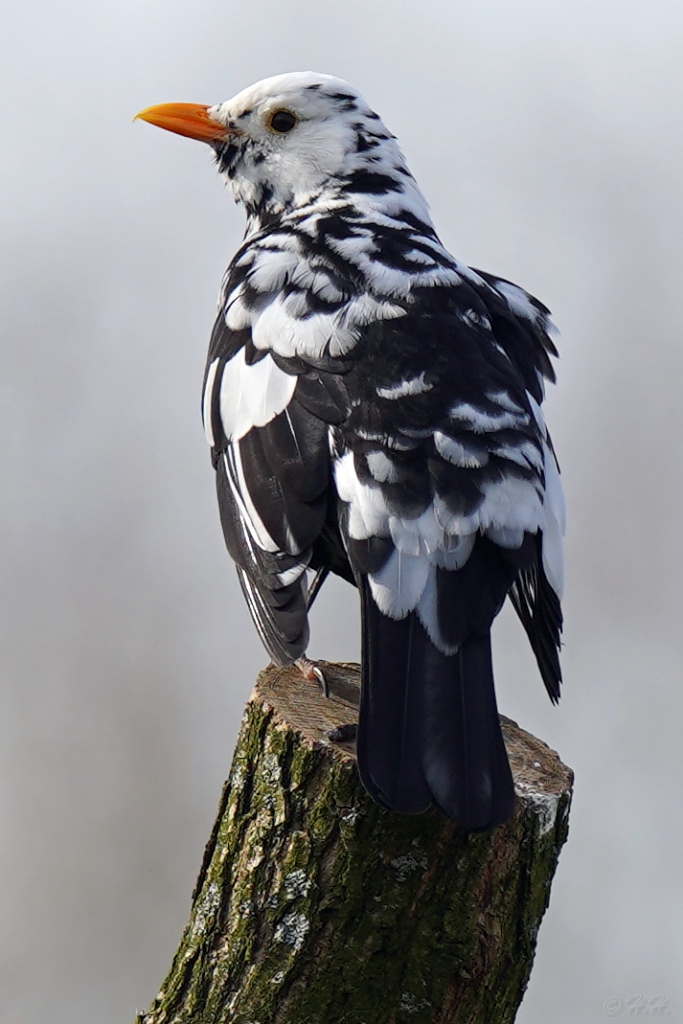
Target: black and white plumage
[373,408]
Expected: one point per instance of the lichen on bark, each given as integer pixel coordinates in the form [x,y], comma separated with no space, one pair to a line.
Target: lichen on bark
[316,906]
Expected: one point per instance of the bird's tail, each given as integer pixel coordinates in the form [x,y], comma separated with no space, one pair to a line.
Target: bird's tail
[429,730]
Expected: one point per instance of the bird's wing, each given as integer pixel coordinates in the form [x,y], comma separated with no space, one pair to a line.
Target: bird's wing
[450,499]
[522,326]
[267,419]
[445,445]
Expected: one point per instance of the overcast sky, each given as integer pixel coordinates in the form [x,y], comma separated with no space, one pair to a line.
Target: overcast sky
[547,138]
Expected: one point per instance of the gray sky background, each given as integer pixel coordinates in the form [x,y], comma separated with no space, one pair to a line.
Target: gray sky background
[547,137]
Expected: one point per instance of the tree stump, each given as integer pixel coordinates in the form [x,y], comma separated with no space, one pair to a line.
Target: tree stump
[316,906]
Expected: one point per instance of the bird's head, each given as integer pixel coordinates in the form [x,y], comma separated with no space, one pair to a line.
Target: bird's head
[284,141]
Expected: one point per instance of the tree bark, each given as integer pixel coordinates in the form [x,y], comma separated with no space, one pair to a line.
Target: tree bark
[315,906]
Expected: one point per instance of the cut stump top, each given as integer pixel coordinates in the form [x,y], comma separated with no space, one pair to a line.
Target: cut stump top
[539,775]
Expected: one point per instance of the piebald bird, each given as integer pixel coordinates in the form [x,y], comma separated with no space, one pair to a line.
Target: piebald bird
[373,408]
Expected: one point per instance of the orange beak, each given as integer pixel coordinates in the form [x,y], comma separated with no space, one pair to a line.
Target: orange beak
[190,119]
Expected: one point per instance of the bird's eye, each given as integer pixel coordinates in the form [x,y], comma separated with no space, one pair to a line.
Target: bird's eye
[282,121]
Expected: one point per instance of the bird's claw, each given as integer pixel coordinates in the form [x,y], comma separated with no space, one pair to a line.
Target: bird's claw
[313,673]
[322,681]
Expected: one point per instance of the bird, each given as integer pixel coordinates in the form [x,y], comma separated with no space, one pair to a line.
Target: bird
[373,409]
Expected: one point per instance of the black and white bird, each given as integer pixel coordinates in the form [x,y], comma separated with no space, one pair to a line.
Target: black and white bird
[373,408]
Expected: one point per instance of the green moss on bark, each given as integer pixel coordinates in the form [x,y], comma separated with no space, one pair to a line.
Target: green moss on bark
[315,906]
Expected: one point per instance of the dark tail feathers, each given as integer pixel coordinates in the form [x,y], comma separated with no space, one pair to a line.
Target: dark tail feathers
[429,730]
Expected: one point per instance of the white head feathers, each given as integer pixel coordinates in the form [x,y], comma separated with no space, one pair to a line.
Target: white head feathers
[297,135]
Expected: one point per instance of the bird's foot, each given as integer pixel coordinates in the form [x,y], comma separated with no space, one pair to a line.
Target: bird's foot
[343,733]
[312,673]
